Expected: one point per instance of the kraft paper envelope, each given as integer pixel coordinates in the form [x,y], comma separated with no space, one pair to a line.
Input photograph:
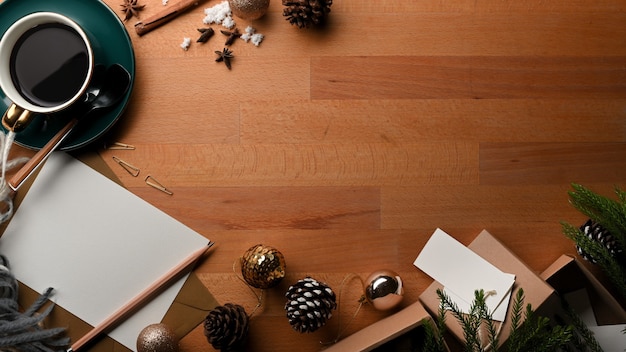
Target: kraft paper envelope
[190,307]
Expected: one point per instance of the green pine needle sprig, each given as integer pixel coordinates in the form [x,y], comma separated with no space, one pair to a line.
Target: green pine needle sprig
[582,338]
[434,340]
[611,215]
[528,332]
[607,212]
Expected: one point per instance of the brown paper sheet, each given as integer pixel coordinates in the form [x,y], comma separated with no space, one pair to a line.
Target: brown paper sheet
[189,308]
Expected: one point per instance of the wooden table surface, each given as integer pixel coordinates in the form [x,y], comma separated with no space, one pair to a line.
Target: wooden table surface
[346,146]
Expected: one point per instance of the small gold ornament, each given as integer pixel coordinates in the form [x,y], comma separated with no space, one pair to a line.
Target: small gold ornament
[383,289]
[249,9]
[263,266]
[157,338]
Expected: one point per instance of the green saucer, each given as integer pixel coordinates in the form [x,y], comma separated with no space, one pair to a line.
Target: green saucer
[111,44]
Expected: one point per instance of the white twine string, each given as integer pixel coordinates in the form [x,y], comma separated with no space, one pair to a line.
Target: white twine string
[6,197]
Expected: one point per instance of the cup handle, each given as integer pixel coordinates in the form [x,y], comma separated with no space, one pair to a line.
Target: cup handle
[16,118]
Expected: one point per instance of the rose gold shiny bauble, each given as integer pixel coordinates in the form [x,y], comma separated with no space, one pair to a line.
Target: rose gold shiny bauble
[249,9]
[383,289]
[157,338]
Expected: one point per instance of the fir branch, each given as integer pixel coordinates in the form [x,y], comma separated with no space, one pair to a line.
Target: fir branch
[621,195]
[529,332]
[582,337]
[516,316]
[603,210]
[467,321]
[432,339]
[441,326]
[533,334]
[538,336]
[486,317]
[614,270]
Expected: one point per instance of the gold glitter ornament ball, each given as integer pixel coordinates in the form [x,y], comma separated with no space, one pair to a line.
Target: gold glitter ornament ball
[157,338]
[263,266]
[383,289]
[249,9]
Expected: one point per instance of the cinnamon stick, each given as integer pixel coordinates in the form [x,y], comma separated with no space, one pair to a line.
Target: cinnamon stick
[167,14]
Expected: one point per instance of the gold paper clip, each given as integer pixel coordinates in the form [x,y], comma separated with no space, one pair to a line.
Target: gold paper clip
[132,170]
[120,146]
[150,181]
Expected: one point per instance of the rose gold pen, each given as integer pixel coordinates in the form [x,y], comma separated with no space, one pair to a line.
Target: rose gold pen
[143,297]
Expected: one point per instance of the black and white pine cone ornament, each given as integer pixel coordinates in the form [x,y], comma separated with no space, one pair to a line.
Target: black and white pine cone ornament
[598,233]
[226,327]
[309,304]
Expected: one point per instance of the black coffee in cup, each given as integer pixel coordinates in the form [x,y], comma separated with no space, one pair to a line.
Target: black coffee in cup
[49,64]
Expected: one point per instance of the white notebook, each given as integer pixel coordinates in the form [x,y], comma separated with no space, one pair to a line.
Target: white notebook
[97,244]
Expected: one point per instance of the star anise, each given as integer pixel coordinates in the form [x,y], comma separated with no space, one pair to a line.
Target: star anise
[232,36]
[131,8]
[224,55]
[205,34]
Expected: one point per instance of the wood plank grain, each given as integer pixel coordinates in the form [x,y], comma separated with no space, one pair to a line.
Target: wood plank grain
[551,163]
[200,82]
[483,206]
[408,120]
[217,165]
[474,77]
[534,6]
[271,207]
[494,31]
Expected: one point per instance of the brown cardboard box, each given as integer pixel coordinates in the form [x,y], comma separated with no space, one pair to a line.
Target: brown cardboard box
[536,290]
[567,275]
[384,330]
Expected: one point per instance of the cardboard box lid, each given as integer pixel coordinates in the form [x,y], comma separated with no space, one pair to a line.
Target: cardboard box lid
[383,330]
[536,290]
[567,274]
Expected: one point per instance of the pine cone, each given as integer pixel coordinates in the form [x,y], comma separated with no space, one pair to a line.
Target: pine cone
[309,305]
[304,13]
[226,327]
[597,233]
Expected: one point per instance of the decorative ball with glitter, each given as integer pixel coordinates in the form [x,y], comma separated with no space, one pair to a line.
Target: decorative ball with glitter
[157,338]
[263,266]
[249,9]
[309,304]
[383,289]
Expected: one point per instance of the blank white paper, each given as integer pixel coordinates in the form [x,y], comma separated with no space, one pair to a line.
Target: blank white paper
[97,244]
[462,272]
